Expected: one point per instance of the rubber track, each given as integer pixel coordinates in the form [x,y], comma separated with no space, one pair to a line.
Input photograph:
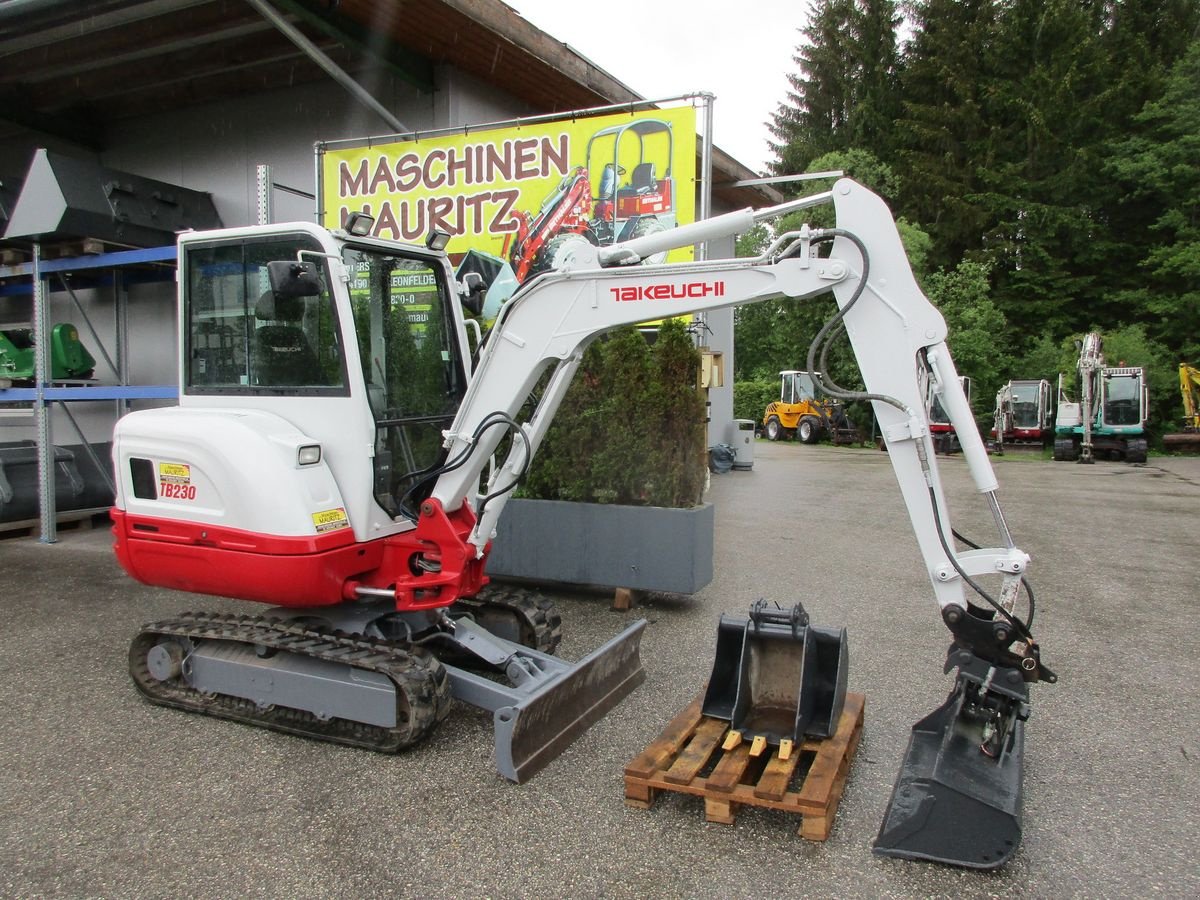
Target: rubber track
[421,682]
[541,625]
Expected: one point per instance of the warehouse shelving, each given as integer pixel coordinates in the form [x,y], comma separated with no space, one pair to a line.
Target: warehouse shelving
[33,277]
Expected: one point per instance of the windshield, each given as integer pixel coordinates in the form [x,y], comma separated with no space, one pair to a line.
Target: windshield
[798,387]
[411,366]
[1122,400]
[1025,405]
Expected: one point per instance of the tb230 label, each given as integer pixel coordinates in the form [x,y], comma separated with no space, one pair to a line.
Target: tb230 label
[175,482]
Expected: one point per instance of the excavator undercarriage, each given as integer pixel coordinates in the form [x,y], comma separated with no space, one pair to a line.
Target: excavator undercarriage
[368,677]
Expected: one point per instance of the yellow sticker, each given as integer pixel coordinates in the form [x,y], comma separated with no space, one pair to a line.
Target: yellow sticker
[330,520]
[174,473]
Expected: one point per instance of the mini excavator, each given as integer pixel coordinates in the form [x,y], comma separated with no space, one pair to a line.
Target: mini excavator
[338,455]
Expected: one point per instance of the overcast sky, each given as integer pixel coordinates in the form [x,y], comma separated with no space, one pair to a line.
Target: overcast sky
[741,52]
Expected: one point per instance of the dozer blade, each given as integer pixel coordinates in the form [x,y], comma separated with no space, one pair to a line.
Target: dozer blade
[953,803]
[531,732]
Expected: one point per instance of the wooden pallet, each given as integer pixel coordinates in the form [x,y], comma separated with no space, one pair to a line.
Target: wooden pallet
[687,758]
[70,520]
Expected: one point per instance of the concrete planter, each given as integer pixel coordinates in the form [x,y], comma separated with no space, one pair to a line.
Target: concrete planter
[641,547]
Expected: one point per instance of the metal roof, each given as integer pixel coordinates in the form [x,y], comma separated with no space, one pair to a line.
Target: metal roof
[68,68]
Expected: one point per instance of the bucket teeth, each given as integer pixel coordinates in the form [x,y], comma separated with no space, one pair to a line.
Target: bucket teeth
[732,739]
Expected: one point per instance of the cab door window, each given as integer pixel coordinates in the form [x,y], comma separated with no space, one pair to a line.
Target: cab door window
[411,367]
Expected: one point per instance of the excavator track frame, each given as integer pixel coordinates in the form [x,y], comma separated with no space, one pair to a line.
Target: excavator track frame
[421,683]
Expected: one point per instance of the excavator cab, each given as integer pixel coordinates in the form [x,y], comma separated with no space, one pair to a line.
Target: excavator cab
[319,374]
[1124,395]
[1022,416]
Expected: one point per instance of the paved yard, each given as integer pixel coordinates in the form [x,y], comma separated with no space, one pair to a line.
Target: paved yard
[106,795]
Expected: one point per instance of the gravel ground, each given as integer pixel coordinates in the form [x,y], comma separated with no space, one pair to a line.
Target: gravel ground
[107,795]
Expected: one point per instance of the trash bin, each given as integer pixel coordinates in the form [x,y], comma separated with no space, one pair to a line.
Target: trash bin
[743,443]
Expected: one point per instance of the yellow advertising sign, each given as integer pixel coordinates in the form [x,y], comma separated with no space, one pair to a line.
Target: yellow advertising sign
[518,194]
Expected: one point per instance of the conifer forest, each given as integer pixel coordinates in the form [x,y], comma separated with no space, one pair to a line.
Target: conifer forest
[1043,160]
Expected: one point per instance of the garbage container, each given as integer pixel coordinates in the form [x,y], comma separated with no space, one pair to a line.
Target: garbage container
[743,443]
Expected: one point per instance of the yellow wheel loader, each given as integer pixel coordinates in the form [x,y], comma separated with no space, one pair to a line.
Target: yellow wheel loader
[801,413]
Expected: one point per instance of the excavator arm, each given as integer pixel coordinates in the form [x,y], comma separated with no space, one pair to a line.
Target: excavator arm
[1189,389]
[957,798]
[898,336]
[1187,437]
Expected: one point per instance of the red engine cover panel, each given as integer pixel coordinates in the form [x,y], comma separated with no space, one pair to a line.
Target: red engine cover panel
[284,571]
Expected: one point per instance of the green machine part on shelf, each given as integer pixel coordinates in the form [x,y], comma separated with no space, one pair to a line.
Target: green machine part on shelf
[68,357]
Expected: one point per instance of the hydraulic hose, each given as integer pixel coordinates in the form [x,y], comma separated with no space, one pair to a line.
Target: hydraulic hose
[836,325]
[824,339]
[490,420]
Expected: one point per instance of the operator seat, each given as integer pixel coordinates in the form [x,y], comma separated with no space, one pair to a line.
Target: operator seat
[281,355]
[642,180]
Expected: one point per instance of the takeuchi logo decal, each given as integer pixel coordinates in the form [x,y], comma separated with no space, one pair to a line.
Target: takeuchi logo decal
[687,290]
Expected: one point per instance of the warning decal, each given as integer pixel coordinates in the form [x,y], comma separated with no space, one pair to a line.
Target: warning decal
[174,473]
[330,520]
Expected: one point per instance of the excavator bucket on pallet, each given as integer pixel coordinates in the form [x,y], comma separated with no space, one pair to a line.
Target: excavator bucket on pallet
[957,799]
[777,678]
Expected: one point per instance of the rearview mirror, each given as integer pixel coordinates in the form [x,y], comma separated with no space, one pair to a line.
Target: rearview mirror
[290,278]
[473,292]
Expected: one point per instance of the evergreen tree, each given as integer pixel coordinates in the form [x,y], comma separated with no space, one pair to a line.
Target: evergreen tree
[844,93]
[1160,169]
[942,132]
[1045,122]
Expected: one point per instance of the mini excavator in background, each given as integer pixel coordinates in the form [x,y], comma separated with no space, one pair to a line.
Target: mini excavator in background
[332,456]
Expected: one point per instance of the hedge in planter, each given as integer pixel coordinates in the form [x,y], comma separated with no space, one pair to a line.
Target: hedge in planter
[614,495]
[631,427]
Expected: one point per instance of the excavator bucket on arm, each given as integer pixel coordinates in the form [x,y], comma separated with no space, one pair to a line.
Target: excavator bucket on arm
[957,799]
